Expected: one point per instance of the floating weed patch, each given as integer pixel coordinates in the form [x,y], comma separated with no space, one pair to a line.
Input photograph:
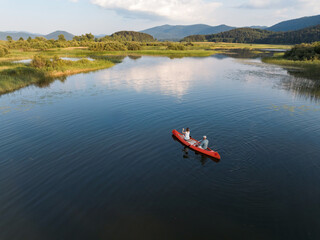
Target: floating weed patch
[294,109]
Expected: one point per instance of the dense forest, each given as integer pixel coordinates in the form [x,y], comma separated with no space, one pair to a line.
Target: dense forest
[249,35]
[132,36]
[239,35]
[306,35]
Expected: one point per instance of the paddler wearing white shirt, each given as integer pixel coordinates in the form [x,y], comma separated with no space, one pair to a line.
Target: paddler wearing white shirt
[186,134]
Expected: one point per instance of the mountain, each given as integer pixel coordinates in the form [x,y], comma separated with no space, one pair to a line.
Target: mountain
[25,35]
[305,35]
[250,35]
[54,35]
[16,35]
[257,27]
[238,35]
[177,32]
[295,24]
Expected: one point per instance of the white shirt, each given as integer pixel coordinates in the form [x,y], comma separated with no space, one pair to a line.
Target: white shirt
[187,135]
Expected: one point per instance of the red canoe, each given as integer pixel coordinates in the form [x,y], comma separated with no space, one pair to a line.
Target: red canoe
[192,143]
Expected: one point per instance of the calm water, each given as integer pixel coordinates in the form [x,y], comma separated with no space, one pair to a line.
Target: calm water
[92,157]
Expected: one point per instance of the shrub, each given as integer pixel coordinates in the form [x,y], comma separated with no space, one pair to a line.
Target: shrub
[107,46]
[304,51]
[38,61]
[172,46]
[3,51]
[133,46]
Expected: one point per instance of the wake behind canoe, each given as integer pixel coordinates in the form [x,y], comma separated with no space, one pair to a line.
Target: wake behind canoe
[193,143]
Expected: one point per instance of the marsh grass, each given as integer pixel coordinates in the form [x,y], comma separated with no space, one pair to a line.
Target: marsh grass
[309,69]
[15,76]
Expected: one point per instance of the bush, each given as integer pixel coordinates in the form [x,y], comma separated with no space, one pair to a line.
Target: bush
[38,61]
[107,46]
[304,52]
[3,51]
[172,46]
[41,62]
[133,46]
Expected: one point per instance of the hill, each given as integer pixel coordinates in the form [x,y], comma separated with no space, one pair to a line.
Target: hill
[17,35]
[177,32]
[54,35]
[25,35]
[306,35]
[249,35]
[295,24]
[133,36]
[238,35]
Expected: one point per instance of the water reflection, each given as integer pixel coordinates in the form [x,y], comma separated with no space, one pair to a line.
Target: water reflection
[300,83]
[168,76]
[302,87]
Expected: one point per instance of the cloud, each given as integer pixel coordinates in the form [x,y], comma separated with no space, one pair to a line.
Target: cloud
[313,6]
[256,4]
[74,1]
[187,10]
[267,4]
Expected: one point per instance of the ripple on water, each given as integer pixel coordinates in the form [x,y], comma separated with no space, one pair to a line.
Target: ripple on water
[99,146]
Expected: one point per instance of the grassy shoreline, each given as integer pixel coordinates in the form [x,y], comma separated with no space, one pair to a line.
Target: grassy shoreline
[17,76]
[14,76]
[306,68]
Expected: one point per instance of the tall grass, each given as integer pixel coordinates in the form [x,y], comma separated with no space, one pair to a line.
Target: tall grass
[15,76]
[307,68]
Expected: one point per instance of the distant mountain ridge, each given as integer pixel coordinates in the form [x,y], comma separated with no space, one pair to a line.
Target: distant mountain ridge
[250,35]
[295,24]
[177,32]
[25,35]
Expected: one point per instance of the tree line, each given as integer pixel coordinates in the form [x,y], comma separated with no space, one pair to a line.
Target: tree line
[249,35]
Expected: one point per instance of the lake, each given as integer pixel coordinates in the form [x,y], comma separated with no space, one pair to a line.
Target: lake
[92,156]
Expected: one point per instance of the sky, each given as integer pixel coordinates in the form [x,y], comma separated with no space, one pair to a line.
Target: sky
[108,16]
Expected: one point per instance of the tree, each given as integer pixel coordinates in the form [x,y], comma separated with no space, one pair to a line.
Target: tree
[61,38]
[21,39]
[9,38]
[29,39]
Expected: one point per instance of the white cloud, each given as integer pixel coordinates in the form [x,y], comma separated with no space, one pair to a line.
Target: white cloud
[261,4]
[73,1]
[187,10]
[312,6]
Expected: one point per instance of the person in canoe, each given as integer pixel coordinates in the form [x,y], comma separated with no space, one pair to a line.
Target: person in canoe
[204,143]
[186,134]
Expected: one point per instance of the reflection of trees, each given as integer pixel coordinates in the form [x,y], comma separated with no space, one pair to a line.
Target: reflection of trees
[247,53]
[303,87]
[46,82]
[312,74]
[134,57]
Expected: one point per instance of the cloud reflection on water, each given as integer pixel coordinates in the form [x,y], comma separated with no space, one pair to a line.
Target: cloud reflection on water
[169,77]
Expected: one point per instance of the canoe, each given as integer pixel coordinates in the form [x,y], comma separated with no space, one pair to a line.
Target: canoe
[192,144]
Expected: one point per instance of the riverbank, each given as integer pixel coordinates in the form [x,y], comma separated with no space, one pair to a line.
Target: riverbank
[305,68]
[14,76]
[194,50]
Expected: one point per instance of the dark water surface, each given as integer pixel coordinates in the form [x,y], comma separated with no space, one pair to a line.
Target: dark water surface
[93,158]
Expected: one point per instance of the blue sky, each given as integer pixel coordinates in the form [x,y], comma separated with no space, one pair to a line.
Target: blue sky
[108,16]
